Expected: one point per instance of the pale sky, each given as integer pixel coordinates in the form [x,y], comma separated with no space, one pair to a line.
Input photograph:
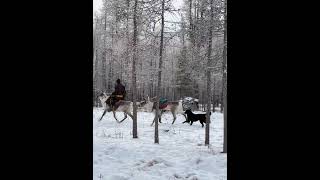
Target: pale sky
[98,3]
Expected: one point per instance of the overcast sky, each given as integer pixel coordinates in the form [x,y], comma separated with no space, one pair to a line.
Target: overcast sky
[98,3]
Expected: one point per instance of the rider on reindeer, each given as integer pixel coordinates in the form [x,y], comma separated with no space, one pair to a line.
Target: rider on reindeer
[118,94]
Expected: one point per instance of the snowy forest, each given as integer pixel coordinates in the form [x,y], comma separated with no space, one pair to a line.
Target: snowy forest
[172,52]
[192,39]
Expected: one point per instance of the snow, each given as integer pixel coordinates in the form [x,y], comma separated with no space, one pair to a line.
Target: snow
[181,153]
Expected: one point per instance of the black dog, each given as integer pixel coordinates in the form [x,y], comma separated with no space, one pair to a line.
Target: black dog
[191,117]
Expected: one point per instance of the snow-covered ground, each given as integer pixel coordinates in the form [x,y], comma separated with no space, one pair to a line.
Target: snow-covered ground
[181,153]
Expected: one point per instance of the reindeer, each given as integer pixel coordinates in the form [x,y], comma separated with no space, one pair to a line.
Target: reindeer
[126,107]
[123,106]
[173,106]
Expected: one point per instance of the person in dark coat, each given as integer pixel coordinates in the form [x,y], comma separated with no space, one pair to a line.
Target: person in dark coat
[118,94]
[120,89]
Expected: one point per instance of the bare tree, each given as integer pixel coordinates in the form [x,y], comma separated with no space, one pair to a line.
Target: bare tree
[224,81]
[207,132]
[156,133]
[134,59]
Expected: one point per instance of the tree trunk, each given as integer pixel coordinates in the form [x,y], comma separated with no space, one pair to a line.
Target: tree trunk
[191,22]
[134,59]
[214,94]
[154,61]
[156,137]
[96,57]
[207,132]
[224,81]
[126,62]
[104,67]
[111,66]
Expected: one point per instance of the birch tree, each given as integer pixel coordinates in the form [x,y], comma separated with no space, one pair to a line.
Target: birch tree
[224,81]
[156,135]
[207,132]
[134,59]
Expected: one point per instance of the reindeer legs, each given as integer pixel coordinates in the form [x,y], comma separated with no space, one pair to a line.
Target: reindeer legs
[159,116]
[161,111]
[154,117]
[104,112]
[130,115]
[125,117]
[153,120]
[114,115]
[174,116]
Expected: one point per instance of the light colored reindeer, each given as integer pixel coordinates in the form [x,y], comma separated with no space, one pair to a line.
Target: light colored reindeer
[124,106]
[175,107]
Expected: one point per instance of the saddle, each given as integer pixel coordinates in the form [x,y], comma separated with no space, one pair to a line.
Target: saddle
[114,101]
[163,103]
